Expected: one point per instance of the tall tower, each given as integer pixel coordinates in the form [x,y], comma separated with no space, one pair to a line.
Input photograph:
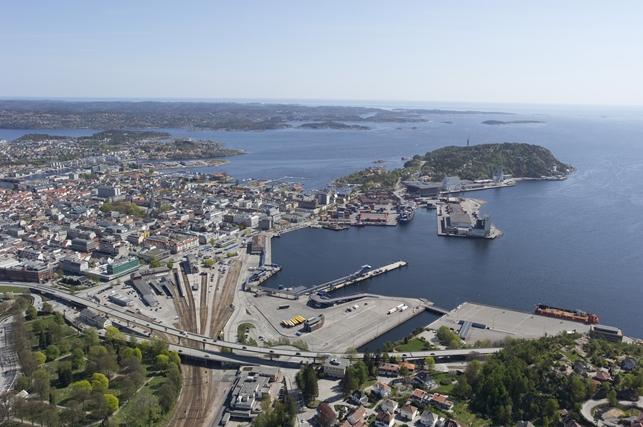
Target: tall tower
[467,140]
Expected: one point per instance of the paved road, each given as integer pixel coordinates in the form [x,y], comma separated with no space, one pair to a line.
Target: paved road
[586,410]
[208,342]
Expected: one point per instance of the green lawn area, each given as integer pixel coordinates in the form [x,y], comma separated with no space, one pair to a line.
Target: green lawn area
[11,289]
[413,345]
[461,413]
[571,356]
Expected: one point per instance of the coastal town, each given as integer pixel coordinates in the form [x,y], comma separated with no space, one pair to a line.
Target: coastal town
[165,253]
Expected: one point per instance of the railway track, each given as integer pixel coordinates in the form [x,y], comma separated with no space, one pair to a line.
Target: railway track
[199,403]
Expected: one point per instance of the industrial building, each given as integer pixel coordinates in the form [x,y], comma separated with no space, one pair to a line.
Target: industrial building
[314,323]
[94,319]
[121,300]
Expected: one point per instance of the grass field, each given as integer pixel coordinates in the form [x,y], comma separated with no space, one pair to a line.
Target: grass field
[413,345]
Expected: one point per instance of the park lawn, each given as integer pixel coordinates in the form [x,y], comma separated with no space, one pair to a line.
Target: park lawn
[414,345]
[369,382]
[13,289]
[148,390]
[461,413]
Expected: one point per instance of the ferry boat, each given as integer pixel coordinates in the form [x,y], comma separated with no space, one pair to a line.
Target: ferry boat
[561,313]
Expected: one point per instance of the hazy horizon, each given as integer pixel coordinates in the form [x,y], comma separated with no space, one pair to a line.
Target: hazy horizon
[545,53]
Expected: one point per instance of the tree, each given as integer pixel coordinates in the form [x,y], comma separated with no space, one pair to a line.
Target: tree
[166,395]
[99,382]
[90,335]
[170,265]
[349,382]
[148,412]
[308,383]
[161,362]
[41,383]
[47,308]
[65,376]
[127,388]
[73,414]
[429,363]
[112,403]
[351,352]
[209,263]
[31,313]
[133,352]
[77,358]
[81,391]
[52,352]
[40,357]
[611,398]
[154,263]
[404,371]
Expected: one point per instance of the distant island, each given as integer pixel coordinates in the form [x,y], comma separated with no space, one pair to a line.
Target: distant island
[332,125]
[197,116]
[515,122]
[469,163]
[40,149]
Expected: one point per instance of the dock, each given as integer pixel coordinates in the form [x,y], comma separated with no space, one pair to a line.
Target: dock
[475,322]
[365,272]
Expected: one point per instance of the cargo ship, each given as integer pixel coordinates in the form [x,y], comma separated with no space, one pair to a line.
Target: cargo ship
[561,313]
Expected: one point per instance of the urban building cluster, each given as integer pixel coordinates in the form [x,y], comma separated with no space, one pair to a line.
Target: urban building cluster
[103,223]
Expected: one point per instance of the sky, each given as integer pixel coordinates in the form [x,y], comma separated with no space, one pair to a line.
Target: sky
[539,52]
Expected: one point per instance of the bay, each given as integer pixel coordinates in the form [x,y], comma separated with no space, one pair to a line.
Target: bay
[573,244]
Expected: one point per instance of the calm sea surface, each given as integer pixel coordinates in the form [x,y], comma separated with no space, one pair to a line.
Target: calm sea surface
[573,244]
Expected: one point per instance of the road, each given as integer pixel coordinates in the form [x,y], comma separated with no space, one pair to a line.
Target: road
[586,410]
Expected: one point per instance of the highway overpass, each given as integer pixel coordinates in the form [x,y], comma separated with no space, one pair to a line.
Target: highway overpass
[204,353]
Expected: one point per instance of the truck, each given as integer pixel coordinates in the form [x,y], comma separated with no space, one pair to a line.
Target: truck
[283,307]
[393,310]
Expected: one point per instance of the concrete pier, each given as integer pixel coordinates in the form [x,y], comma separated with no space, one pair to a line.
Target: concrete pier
[352,278]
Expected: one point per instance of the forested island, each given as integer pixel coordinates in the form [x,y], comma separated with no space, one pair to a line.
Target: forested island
[40,149]
[219,116]
[469,163]
[515,122]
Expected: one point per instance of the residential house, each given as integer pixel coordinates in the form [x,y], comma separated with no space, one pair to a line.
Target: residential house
[408,412]
[388,370]
[409,366]
[603,375]
[356,415]
[420,396]
[629,363]
[441,401]
[381,389]
[425,380]
[452,423]
[524,424]
[359,397]
[581,366]
[429,419]
[325,414]
[384,419]
[389,406]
